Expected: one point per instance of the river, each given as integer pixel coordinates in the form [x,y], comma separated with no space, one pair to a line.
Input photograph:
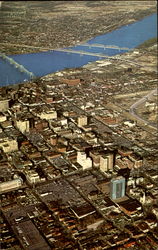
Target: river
[43,63]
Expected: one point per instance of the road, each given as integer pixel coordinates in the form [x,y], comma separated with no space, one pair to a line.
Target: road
[139,102]
[119,138]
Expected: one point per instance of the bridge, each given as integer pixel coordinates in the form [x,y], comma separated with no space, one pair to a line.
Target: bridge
[17,65]
[94,45]
[81,52]
[97,45]
[97,55]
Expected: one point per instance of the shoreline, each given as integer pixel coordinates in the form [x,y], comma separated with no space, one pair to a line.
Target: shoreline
[46,49]
[48,29]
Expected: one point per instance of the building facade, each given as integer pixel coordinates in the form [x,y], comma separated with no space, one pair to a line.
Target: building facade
[83,160]
[106,162]
[82,121]
[117,188]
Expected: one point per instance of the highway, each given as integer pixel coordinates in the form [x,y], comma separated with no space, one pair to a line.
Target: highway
[139,102]
[122,139]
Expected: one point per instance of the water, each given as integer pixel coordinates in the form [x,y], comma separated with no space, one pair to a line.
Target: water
[46,62]
[42,63]
[131,35]
[9,74]
[106,51]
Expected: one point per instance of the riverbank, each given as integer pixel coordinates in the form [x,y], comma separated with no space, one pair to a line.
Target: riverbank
[57,24]
[107,89]
[101,47]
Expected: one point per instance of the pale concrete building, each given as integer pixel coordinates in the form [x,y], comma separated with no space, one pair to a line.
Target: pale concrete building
[4,105]
[3,118]
[83,160]
[82,120]
[32,176]
[48,115]
[8,145]
[10,185]
[103,163]
[23,125]
[106,162]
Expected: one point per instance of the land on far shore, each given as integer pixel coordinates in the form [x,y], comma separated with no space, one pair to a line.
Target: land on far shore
[57,24]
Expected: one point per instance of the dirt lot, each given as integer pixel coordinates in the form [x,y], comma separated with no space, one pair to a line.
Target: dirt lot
[57,24]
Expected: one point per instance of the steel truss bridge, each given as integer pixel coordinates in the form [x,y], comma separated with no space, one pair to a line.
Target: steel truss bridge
[97,45]
[101,56]
[17,65]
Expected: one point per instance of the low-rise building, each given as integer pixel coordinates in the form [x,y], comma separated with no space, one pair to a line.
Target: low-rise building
[10,185]
[3,118]
[82,120]
[32,176]
[4,105]
[23,125]
[8,145]
[138,161]
[48,115]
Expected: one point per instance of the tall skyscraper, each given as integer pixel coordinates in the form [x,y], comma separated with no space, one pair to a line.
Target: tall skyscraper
[106,162]
[117,188]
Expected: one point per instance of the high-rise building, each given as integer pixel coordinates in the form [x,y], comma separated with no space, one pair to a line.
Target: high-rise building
[117,188]
[95,155]
[83,160]
[106,162]
[103,163]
